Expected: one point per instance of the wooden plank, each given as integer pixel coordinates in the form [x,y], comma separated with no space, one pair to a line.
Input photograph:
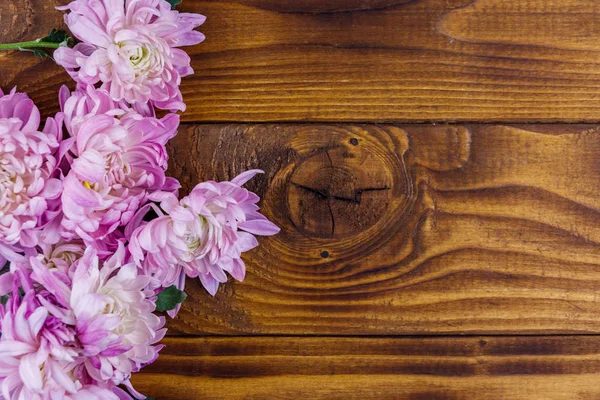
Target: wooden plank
[407,229]
[24,20]
[511,368]
[371,60]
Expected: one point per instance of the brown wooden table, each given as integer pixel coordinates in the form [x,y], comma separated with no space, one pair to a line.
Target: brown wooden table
[435,168]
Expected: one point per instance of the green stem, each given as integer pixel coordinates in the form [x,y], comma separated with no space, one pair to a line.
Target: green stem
[29,45]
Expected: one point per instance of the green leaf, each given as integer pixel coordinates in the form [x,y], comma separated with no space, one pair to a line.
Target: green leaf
[174,3]
[55,36]
[169,298]
[41,54]
[4,299]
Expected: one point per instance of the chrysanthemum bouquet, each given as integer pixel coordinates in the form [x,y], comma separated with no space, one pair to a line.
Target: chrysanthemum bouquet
[94,240]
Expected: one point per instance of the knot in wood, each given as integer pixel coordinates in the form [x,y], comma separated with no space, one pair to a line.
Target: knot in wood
[338,191]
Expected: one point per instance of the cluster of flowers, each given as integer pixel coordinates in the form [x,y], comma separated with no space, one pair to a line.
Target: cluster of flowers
[91,229]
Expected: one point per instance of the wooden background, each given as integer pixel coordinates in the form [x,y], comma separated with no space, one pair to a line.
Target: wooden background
[435,168]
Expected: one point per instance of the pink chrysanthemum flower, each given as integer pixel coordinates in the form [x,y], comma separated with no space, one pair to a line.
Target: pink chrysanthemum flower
[116,158]
[115,321]
[110,313]
[203,235]
[79,338]
[59,256]
[29,192]
[131,47]
[37,352]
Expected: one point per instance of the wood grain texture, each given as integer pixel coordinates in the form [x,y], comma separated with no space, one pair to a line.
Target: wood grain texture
[23,20]
[392,230]
[510,368]
[386,229]
[370,60]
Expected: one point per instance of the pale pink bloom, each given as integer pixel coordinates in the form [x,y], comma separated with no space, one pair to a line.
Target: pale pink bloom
[90,100]
[29,190]
[46,341]
[116,158]
[203,235]
[37,352]
[115,320]
[111,314]
[131,48]
[60,256]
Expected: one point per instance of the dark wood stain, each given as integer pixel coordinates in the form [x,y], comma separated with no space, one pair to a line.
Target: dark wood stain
[382,368]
